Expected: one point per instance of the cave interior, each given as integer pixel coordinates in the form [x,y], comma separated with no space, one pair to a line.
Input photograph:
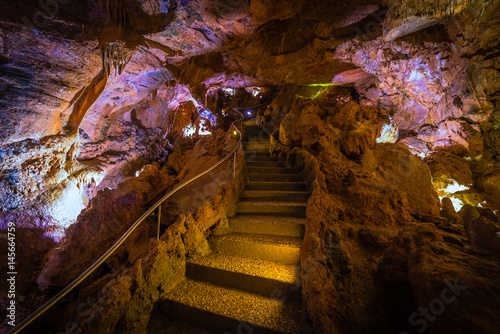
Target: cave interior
[352,150]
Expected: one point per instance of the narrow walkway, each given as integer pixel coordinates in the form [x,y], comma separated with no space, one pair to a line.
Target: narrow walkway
[250,281]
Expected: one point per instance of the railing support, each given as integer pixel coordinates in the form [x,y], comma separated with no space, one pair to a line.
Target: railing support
[159,221]
[234,166]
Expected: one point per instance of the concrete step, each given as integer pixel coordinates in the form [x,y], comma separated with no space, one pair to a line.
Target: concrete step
[269,163]
[253,150]
[256,157]
[293,209]
[159,324]
[260,154]
[257,147]
[224,310]
[275,186]
[257,139]
[271,170]
[275,177]
[277,196]
[256,276]
[253,158]
[260,149]
[256,131]
[252,146]
[266,224]
[280,249]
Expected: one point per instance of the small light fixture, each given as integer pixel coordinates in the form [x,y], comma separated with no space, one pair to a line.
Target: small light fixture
[235,133]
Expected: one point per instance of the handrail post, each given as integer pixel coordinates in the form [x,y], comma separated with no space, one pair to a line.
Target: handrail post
[159,220]
[234,168]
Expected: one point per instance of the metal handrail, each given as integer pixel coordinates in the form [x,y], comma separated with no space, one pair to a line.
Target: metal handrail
[120,241]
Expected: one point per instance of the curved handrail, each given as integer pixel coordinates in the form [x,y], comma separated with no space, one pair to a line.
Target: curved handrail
[120,241]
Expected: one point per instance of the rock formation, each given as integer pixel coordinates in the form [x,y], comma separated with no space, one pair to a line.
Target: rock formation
[391,108]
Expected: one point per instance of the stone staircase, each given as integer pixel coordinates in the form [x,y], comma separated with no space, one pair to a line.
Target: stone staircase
[250,281]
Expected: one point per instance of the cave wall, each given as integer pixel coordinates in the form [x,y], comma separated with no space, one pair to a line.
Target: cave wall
[50,169]
[430,69]
[379,246]
[143,269]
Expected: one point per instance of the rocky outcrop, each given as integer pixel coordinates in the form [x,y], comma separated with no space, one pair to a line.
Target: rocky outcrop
[373,254]
[446,276]
[425,84]
[143,269]
[39,178]
[41,73]
[119,208]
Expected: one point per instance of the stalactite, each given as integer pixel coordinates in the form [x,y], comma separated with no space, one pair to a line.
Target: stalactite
[107,12]
[87,96]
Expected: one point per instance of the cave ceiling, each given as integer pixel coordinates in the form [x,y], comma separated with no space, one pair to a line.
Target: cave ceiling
[105,68]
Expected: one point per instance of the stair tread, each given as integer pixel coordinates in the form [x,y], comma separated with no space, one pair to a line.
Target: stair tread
[251,185]
[274,240]
[264,163]
[260,155]
[273,203]
[276,182]
[161,325]
[270,224]
[256,174]
[248,266]
[236,304]
[245,217]
[271,170]
[275,192]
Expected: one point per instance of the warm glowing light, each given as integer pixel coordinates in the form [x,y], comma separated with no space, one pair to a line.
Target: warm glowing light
[389,133]
[321,85]
[322,88]
[208,115]
[451,189]
[235,133]
[139,172]
[454,187]
[204,132]
[189,131]
[255,91]
[229,91]
[457,204]
[69,203]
